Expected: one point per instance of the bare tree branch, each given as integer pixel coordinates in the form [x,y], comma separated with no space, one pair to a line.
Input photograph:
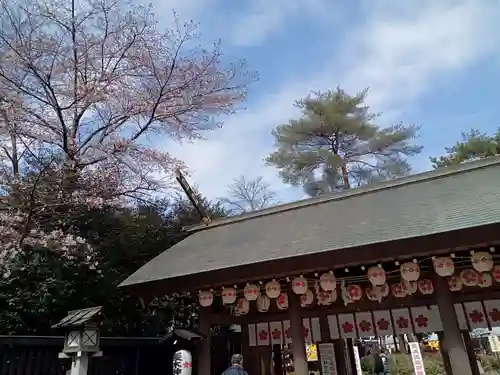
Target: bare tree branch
[249,195]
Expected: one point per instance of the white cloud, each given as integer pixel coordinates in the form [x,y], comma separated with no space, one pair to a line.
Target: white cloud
[400,50]
[264,18]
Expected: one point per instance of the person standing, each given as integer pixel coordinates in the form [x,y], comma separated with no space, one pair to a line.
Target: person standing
[381,363]
[236,367]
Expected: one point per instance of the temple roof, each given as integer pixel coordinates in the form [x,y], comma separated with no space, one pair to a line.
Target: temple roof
[442,200]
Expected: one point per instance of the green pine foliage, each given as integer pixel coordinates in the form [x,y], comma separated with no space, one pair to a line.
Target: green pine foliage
[474,145]
[336,145]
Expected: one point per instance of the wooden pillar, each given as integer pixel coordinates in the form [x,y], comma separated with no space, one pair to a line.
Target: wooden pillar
[459,360]
[340,356]
[349,343]
[470,352]
[204,348]
[444,354]
[297,328]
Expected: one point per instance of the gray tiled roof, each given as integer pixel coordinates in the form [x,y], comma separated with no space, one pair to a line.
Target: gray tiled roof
[448,199]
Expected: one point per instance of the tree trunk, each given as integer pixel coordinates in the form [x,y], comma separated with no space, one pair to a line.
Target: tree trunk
[345,176]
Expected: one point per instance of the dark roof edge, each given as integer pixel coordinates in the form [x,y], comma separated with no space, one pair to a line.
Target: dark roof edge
[407,180]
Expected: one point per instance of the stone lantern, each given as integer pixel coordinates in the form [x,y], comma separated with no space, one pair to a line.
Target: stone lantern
[81,338]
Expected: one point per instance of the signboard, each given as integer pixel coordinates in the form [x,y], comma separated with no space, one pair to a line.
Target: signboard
[327,357]
[311,351]
[357,361]
[494,343]
[416,358]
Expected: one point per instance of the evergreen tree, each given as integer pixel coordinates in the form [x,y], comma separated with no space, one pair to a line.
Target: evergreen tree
[335,145]
[473,145]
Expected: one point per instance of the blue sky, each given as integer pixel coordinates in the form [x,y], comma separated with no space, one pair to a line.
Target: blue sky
[433,63]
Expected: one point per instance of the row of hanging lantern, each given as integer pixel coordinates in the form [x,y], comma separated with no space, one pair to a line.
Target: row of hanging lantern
[482,274]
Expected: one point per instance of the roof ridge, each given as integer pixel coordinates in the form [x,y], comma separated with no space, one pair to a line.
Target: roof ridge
[368,189]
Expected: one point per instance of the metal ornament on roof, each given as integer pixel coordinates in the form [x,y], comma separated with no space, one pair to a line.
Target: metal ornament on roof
[282,301]
[469,277]
[307,298]
[263,303]
[444,266]
[455,283]
[273,289]
[485,280]
[228,296]
[251,292]
[425,286]
[410,271]
[299,285]
[376,275]
[205,298]
[242,306]
[328,281]
[482,261]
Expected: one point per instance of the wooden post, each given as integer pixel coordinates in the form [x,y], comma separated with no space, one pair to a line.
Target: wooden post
[340,356]
[204,352]
[444,354]
[297,328]
[470,352]
[459,360]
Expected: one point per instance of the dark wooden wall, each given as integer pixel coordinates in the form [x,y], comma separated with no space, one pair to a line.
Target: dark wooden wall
[38,355]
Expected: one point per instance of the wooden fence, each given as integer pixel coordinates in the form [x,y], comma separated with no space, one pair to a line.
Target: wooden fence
[38,355]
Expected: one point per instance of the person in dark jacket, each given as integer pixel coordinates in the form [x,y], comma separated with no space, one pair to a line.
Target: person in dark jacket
[236,367]
[381,363]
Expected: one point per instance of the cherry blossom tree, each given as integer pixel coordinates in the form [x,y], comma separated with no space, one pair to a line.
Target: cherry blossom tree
[88,90]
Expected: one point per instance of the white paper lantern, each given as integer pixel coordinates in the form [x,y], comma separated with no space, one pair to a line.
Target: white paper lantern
[482,261]
[469,277]
[242,306]
[410,287]
[398,290]
[384,289]
[376,275]
[326,298]
[251,292]
[444,266]
[496,274]
[345,295]
[410,271]
[228,296]
[373,293]
[273,289]
[205,298]
[299,285]
[282,301]
[485,280]
[182,362]
[263,303]
[307,298]
[328,281]
[355,292]
[425,286]
[455,283]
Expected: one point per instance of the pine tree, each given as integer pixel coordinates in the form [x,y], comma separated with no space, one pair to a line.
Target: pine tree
[474,145]
[335,145]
